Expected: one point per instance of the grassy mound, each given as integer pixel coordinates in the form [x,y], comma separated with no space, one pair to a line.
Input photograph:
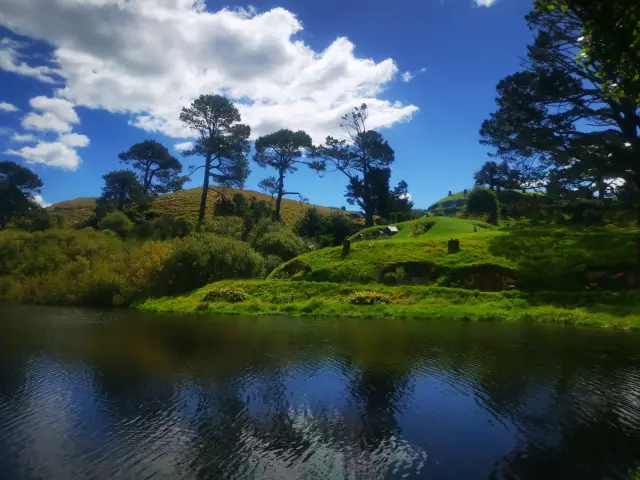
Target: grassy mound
[184,204]
[536,257]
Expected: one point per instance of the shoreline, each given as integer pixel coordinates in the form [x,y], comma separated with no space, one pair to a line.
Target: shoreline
[619,310]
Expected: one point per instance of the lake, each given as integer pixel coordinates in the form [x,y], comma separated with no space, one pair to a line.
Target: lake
[121,394]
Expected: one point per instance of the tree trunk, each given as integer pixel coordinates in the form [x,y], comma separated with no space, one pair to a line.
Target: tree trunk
[276,214]
[205,189]
[368,204]
[147,180]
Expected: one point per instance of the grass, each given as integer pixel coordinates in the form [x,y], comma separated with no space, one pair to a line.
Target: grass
[538,257]
[264,297]
[186,204]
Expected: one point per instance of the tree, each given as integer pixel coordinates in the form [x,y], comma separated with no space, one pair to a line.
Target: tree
[385,201]
[559,113]
[223,142]
[18,185]
[122,192]
[483,202]
[283,150]
[158,171]
[364,151]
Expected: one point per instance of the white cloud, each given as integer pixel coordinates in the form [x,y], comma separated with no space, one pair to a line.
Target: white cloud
[422,70]
[7,107]
[57,115]
[47,122]
[74,140]
[484,3]
[10,60]
[149,58]
[40,201]
[52,154]
[182,146]
[407,77]
[23,138]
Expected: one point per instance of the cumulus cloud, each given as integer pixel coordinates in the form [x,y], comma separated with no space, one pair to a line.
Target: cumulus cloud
[23,138]
[407,77]
[182,146]
[52,154]
[74,140]
[149,58]
[40,201]
[11,61]
[484,3]
[7,107]
[56,115]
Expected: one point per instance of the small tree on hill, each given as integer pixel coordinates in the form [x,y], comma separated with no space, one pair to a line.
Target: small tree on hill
[283,150]
[357,157]
[122,192]
[483,202]
[222,141]
[18,185]
[158,171]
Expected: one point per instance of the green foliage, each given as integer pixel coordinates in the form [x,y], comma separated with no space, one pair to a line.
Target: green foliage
[282,243]
[158,171]
[225,294]
[17,186]
[281,150]
[232,227]
[483,202]
[355,157]
[204,258]
[368,298]
[272,262]
[117,222]
[418,229]
[327,230]
[223,142]
[122,192]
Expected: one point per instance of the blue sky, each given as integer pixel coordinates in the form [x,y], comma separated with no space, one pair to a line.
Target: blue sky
[82,80]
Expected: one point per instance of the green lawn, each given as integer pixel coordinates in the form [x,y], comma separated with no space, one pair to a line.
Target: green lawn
[280,297]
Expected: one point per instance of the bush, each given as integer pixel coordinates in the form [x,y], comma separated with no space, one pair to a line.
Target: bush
[272,262]
[144,266]
[482,201]
[232,227]
[224,294]
[368,298]
[417,229]
[117,222]
[284,244]
[200,259]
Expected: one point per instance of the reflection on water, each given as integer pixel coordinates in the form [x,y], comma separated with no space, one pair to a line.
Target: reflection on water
[94,394]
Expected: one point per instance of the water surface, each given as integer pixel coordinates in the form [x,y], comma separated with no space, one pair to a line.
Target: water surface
[119,394]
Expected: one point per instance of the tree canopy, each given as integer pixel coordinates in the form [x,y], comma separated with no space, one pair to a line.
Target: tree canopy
[283,150]
[222,141]
[122,192]
[158,171]
[558,117]
[357,156]
[18,185]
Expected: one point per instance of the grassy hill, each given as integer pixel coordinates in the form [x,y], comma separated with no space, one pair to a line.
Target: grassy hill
[184,204]
[538,258]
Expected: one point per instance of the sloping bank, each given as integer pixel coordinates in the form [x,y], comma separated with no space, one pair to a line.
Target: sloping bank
[324,299]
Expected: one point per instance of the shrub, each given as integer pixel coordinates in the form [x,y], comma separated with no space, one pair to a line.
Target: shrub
[272,262]
[232,227]
[482,201]
[368,298]
[389,278]
[117,222]
[144,266]
[417,229]
[204,258]
[225,294]
[284,244]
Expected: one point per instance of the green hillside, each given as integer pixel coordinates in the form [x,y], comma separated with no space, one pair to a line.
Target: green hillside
[184,204]
[540,257]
